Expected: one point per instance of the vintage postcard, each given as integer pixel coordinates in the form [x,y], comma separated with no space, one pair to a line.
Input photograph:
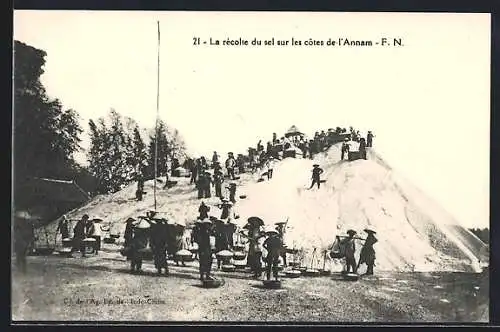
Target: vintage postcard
[290,167]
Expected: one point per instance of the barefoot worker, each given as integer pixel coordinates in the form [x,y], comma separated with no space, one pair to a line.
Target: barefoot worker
[159,234]
[273,245]
[201,235]
[79,234]
[350,249]
[316,172]
[367,254]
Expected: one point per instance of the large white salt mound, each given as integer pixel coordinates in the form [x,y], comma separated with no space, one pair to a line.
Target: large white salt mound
[414,233]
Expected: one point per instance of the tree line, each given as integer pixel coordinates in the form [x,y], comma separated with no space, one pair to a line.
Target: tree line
[46,136]
[118,154]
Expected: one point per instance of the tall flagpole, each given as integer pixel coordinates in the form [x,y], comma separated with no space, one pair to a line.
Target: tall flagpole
[157,113]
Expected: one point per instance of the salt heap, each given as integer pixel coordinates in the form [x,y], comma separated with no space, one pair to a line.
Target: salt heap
[414,233]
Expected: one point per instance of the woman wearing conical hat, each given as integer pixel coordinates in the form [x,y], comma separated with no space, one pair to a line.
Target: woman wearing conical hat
[367,254]
[201,235]
[273,245]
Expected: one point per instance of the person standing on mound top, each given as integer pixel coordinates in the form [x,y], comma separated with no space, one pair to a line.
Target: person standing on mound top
[316,172]
[367,252]
[215,159]
[270,166]
[362,148]
[345,148]
[369,139]
[350,249]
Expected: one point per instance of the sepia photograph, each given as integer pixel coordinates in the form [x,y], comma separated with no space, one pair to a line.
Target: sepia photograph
[250,167]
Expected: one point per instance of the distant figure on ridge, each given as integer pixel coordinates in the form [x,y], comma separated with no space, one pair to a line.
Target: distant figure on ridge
[362,148]
[369,139]
[270,166]
[215,158]
[316,172]
[345,148]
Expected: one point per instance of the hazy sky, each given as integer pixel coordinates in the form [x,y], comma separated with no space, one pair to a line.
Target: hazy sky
[427,102]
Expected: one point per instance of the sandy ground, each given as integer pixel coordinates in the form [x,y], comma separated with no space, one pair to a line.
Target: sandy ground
[101,288]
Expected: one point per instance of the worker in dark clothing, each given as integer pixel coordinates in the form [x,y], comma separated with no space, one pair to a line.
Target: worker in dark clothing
[281,229]
[232,192]
[203,163]
[203,210]
[362,148]
[240,163]
[174,240]
[195,167]
[129,232]
[260,147]
[158,241]
[274,246]
[140,187]
[369,139]
[203,185]
[139,241]
[225,206]
[174,166]
[201,235]
[218,179]
[221,241]
[24,235]
[316,172]
[254,256]
[79,234]
[367,254]
[94,231]
[230,165]
[345,149]
[63,227]
[215,158]
[311,149]
[269,148]
[230,229]
[350,249]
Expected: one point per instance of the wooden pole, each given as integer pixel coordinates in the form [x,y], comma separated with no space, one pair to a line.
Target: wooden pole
[157,115]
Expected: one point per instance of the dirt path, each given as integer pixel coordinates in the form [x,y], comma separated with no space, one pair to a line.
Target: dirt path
[101,288]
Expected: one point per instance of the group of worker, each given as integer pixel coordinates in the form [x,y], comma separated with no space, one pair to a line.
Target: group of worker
[346,248]
[85,228]
[165,238]
[223,233]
